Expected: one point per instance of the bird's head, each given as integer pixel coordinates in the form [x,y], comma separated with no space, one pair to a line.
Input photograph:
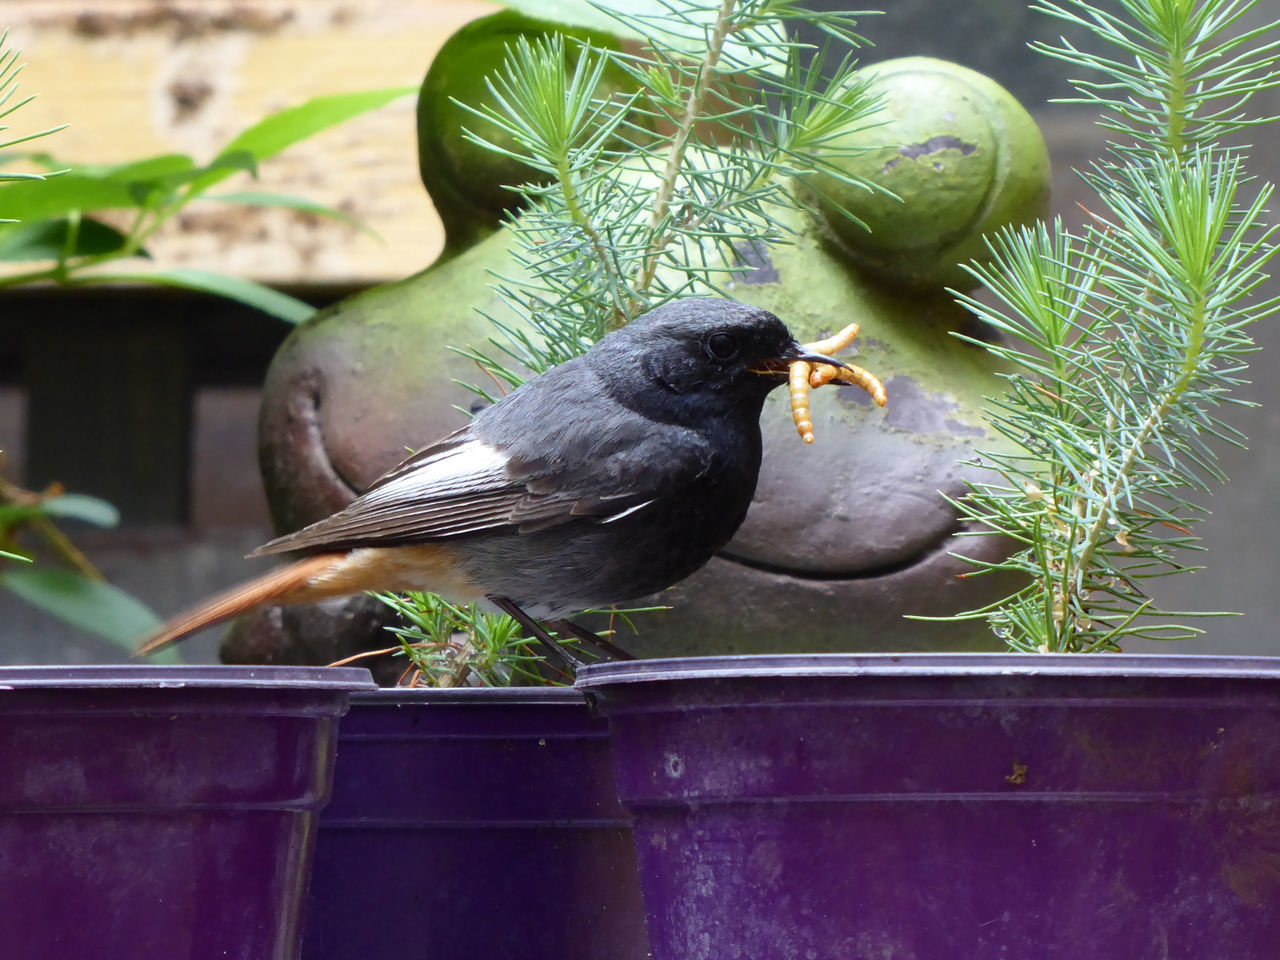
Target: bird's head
[704,354]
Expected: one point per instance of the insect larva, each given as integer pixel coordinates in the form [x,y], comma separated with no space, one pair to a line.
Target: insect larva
[836,342]
[799,385]
[805,376]
[868,381]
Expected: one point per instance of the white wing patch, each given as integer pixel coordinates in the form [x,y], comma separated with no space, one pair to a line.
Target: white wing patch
[470,468]
[628,511]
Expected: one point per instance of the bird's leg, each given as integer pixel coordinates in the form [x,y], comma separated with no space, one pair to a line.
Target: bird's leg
[561,659]
[592,639]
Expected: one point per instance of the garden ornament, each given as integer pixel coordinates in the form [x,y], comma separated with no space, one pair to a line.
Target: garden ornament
[853,529]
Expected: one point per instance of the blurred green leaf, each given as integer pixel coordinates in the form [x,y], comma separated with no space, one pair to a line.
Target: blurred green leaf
[148,168]
[81,506]
[58,196]
[280,130]
[152,182]
[273,302]
[92,605]
[88,187]
[70,506]
[140,183]
[154,190]
[47,240]
[301,204]
[38,157]
[12,514]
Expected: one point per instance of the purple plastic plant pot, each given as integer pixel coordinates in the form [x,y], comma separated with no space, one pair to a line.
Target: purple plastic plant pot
[474,824]
[165,813]
[968,807]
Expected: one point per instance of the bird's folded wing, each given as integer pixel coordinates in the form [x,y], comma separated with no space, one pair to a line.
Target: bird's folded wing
[464,485]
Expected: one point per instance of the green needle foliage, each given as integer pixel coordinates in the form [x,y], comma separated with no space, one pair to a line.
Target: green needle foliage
[10,104]
[454,646]
[665,192]
[1128,337]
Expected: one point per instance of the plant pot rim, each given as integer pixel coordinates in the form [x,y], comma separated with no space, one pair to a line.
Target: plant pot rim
[475,696]
[928,665]
[180,676]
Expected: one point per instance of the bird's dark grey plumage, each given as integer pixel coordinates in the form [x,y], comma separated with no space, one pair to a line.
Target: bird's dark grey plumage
[609,477]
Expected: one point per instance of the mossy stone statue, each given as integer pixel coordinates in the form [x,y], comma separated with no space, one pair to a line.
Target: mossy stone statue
[846,535]
[467,182]
[962,159]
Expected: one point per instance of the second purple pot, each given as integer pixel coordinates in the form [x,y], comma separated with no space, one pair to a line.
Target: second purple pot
[977,807]
[474,824]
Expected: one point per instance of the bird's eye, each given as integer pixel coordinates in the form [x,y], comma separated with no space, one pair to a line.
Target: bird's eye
[721,346]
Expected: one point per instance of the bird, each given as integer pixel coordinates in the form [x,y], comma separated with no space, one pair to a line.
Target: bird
[609,477]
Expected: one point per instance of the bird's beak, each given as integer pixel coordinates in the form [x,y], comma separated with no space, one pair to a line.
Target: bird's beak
[781,365]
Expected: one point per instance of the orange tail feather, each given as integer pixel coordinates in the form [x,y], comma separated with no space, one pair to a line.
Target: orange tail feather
[276,585]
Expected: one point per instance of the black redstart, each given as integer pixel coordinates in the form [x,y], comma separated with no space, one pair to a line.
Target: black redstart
[609,477]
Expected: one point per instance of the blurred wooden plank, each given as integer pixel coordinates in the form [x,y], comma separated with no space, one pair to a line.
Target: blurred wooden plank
[136,78]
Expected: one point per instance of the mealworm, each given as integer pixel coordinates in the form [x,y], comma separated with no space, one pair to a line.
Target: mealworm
[804,376]
[799,385]
[825,373]
[836,342]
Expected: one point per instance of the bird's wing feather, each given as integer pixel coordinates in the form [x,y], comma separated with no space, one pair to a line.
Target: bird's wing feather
[456,486]
[464,485]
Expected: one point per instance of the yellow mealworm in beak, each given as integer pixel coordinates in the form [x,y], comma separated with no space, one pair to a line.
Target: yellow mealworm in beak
[824,373]
[799,385]
[804,376]
[836,342]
